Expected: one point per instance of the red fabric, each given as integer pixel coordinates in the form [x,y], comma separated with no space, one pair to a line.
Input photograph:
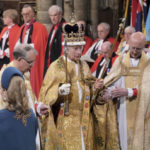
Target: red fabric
[26,27]
[51,40]
[135,92]
[133,12]
[12,38]
[35,106]
[110,39]
[95,65]
[39,38]
[88,44]
[62,39]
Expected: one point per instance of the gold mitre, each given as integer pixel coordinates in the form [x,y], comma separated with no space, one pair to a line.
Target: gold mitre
[73,33]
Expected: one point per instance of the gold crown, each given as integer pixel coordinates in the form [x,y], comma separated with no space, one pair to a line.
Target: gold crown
[73,33]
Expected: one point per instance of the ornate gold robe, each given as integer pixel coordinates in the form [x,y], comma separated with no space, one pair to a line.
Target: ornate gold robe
[73,132]
[132,76]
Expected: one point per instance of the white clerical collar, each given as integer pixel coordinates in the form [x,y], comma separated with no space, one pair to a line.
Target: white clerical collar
[27,23]
[10,26]
[134,62]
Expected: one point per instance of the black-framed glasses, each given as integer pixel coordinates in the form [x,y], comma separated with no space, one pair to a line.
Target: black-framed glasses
[29,62]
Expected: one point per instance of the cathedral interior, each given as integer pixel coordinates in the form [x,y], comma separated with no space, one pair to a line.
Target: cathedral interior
[92,11]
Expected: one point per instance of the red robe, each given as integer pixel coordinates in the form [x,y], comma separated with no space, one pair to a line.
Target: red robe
[110,39]
[95,65]
[12,38]
[88,44]
[39,39]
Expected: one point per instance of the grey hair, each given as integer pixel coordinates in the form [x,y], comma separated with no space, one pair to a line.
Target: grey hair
[131,28]
[21,50]
[27,5]
[59,9]
[106,25]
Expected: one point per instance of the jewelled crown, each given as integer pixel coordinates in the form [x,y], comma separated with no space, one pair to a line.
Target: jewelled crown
[73,33]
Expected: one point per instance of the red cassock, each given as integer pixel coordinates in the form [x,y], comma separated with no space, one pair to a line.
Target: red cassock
[39,38]
[110,39]
[12,38]
[88,44]
[95,65]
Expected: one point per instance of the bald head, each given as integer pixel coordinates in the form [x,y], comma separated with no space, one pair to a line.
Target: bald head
[107,45]
[105,49]
[137,43]
[138,37]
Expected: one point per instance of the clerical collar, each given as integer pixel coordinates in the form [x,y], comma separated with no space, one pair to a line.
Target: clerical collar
[136,58]
[27,25]
[10,26]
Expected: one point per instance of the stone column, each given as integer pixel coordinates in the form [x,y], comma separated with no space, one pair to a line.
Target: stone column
[81,9]
[94,17]
[60,3]
[42,11]
[115,7]
[67,9]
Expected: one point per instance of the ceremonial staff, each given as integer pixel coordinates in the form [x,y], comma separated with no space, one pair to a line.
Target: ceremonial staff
[106,63]
[66,109]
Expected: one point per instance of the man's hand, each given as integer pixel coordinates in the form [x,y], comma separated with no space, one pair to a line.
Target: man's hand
[106,95]
[64,89]
[119,92]
[42,109]
[99,83]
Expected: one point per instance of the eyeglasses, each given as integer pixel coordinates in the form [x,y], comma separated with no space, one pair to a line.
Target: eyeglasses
[54,15]
[100,31]
[136,48]
[29,62]
[27,14]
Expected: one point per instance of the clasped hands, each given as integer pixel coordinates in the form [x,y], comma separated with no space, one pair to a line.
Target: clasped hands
[114,93]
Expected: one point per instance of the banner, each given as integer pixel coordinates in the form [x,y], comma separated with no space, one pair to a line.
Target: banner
[147,27]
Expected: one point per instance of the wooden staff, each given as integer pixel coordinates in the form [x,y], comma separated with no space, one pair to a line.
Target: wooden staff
[66,109]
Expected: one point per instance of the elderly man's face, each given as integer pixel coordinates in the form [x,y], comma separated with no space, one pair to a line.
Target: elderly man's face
[27,14]
[105,51]
[127,34]
[102,32]
[55,16]
[136,48]
[27,62]
[75,52]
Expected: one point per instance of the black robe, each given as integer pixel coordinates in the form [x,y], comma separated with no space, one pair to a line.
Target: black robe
[56,48]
